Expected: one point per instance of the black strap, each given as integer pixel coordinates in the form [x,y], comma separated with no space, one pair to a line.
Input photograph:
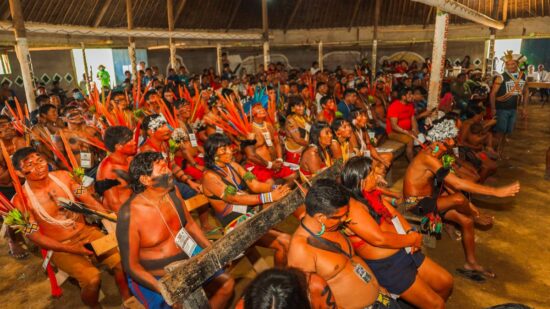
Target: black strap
[329,243]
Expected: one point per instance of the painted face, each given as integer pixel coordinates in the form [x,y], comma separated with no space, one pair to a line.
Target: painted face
[259,112]
[334,222]
[120,102]
[34,167]
[225,154]
[184,111]
[298,109]
[162,175]
[511,66]
[129,148]
[74,117]
[7,131]
[330,105]
[159,129]
[344,130]
[361,120]
[325,138]
[169,96]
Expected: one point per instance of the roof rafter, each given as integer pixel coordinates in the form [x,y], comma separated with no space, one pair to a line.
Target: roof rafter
[233,15]
[355,12]
[179,11]
[293,14]
[102,12]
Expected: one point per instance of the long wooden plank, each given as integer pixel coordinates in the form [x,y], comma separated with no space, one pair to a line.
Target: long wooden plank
[185,277]
[102,12]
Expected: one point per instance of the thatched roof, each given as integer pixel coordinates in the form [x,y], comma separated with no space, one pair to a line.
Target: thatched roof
[246,14]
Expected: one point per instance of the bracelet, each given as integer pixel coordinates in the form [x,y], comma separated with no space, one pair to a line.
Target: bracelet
[269,165]
[279,160]
[266,198]
[393,202]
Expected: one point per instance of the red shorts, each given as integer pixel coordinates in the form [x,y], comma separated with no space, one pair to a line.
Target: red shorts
[190,170]
[263,174]
[293,157]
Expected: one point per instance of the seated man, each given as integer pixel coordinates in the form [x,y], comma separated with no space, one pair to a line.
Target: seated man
[155,229]
[112,174]
[443,197]
[401,122]
[265,159]
[64,232]
[318,247]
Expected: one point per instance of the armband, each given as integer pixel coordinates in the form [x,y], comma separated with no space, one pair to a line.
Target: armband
[229,191]
[248,176]
[269,165]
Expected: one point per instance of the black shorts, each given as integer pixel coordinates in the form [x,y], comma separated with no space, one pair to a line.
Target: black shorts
[423,206]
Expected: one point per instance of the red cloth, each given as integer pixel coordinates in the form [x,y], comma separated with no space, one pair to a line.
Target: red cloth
[446,102]
[263,174]
[293,157]
[190,170]
[375,202]
[403,113]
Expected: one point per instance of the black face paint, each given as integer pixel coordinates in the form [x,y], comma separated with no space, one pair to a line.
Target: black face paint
[163,181]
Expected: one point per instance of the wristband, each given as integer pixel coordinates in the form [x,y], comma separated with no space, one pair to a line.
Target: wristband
[279,160]
[393,202]
[269,165]
[266,198]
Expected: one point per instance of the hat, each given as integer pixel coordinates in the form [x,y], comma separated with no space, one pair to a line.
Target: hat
[100,66]
[509,55]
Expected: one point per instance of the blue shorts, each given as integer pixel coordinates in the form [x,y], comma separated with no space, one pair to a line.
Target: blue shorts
[506,119]
[149,298]
[185,190]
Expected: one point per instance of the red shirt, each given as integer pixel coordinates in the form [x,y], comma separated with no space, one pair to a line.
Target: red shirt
[403,113]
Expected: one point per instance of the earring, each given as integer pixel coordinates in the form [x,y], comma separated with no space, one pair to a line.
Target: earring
[436,149]
[216,158]
[323,227]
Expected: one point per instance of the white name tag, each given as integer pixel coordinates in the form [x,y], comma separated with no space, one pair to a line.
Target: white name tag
[186,243]
[369,113]
[371,135]
[399,229]
[367,153]
[362,273]
[455,151]
[85,160]
[193,139]
[219,130]
[242,209]
[267,138]
[87,181]
[308,127]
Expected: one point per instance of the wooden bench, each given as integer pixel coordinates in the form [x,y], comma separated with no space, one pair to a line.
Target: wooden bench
[396,149]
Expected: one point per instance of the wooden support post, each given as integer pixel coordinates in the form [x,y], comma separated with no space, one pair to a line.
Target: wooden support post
[219,64]
[320,59]
[375,40]
[265,35]
[131,40]
[183,278]
[492,37]
[438,58]
[86,74]
[172,43]
[22,52]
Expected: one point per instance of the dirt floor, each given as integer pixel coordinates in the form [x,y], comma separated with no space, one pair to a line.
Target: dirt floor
[516,248]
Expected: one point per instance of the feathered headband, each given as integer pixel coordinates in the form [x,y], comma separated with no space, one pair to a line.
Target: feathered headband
[260,96]
[442,131]
[509,56]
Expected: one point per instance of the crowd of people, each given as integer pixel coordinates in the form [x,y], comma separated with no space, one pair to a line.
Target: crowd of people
[244,141]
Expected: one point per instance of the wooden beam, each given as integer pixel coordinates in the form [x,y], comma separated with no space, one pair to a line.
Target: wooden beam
[170,13]
[376,19]
[354,14]
[428,17]
[265,35]
[292,15]
[505,11]
[184,277]
[102,12]
[233,15]
[179,11]
[131,40]
[465,12]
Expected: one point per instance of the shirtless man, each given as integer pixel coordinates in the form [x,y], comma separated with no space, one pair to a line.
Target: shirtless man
[191,150]
[112,173]
[380,102]
[88,157]
[318,247]
[121,105]
[158,134]
[12,142]
[62,231]
[155,229]
[47,127]
[445,197]
[265,159]
[152,106]
[328,112]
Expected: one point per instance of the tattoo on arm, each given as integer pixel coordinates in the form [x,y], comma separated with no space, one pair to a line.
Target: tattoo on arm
[329,300]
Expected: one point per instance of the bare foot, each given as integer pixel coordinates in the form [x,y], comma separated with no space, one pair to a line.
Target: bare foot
[483,219]
[485,272]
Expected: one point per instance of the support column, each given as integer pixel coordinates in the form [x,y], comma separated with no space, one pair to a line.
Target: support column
[86,74]
[438,58]
[491,57]
[219,64]
[172,44]
[265,34]
[375,40]
[320,59]
[131,40]
[22,52]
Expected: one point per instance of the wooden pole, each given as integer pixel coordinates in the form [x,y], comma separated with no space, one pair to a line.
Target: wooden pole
[219,64]
[131,40]
[86,74]
[265,35]
[22,52]
[492,37]
[438,58]
[184,277]
[172,43]
[463,11]
[320,59]
[375,40]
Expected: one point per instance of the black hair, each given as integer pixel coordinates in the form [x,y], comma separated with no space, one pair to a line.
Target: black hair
[42,99]
[149,94]
[45,108]
[355,170]
[211,145]
[319,84]
[277,288]
[68,109]
[473,110]
[20,155]
[348,92]
[337,123]
[147,120]
[5,117]
[117,92]
[324,100]
[117,135]
[403,91]
[142,165]
[293,101]
[326,196]
[226,92]
[315,133]
[180,102]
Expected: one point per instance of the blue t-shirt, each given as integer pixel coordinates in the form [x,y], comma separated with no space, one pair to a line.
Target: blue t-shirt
[345,110]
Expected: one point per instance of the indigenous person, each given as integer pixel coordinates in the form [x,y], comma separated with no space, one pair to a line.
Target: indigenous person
[297,130]
[401,122]
[122,107]
[192,152]
[155,229]
[318,155]
[380,102]
[234,192]
[265,158]
[362,141]
[62,231]
[431,189]
[328,111]
[342,145]
[158,134]
[347,106]
[401,270]
[112,174]
[507,93]
[318,247]
[48,125]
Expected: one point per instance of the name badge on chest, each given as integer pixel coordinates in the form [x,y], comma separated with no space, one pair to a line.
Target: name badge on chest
[85,160]
[193,139]
[242,209]
[267,137]
[308,127]
[186,243]
[361,272]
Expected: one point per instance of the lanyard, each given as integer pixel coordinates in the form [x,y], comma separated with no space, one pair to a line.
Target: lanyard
[329,243]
